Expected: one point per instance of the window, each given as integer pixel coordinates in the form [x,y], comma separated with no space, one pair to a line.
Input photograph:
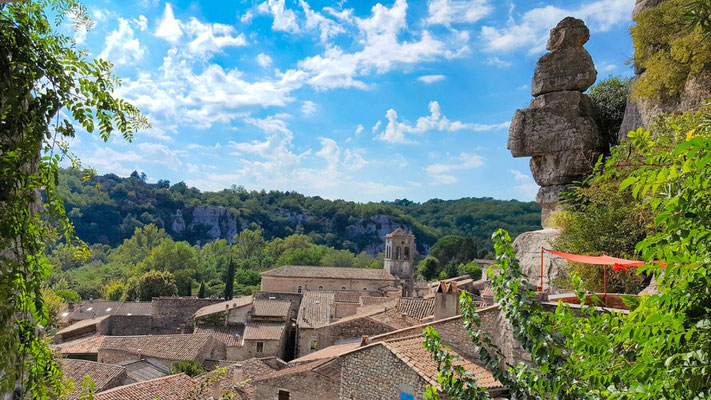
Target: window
[299,290]
[260,347]
[320,288]
[314,344]
[397,253]
[343,288]
[283,395]
[407,253]
[365,289]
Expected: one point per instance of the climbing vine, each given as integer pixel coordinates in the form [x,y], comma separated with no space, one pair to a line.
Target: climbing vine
[46,87]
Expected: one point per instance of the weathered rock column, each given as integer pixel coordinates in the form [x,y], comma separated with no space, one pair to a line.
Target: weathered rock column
[557,130]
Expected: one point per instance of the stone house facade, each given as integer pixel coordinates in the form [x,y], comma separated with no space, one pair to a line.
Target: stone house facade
[316,380]
[297,279]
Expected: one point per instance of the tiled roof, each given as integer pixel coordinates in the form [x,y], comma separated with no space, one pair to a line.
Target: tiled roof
[399,232]
[370,300]
[81,325]
[172,387]
[86,345]
[93,309]
[315,309]
[347,296]
[298,369]
[169,347]
[298,271]
[221,307]
[135,308]
[231,335]
[104,376]
[412,352]
[328,352]
[211,365]
[144,369]
[264,330]
[394,319]
[271,308]
[415,307]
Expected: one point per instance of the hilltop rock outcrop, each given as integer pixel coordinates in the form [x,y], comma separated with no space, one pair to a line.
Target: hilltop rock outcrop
[558,130]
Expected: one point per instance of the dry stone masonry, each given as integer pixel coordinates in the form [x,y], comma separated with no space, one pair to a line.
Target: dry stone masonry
[557,130]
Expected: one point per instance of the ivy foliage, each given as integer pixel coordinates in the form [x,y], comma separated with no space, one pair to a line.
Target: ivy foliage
[41,74]
[662,348]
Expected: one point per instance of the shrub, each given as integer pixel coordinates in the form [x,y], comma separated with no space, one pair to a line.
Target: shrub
[188,367]
[609,99]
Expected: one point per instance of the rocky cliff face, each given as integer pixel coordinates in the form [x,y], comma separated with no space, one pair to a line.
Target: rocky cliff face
[558,130]
[209,223]
[641,113]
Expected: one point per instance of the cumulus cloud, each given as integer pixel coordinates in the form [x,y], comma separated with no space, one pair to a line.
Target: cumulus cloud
[359,129]
[382,50]
[121,46]
[526,187]
[264,60]
[284,19]
[308,108]
[396,131]
[497,62]
[429,79]
[168,26]
[447,12]
[326,27]
[532,28]
[441,173]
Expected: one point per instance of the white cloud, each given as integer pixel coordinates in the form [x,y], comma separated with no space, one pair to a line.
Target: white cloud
[284,19]
[497,62]
[141,23]
[169,27]
[247,17]
[441,172]
[520,176]
[606,67]
[429,79]
[160,154]
[395,131]
[532,29]
[308,108]
[446,12]
[375,127]
[359,129]
[264,60]
[328,28]
[210,38]
[382,50]
[121,47]
[178,94]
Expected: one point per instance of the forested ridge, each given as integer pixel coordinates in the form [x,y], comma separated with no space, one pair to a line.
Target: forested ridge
[108,208]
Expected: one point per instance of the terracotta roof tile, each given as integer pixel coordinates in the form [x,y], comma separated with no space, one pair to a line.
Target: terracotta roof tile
[264,330]
[298,369]
[231,335]
[169,347]
[399,232]
[271,308]
[135,308]
[86,345]
[315,309]
[105,376]
[370,300]
[415,307]
[412,352]
[298,271]
[173,387]
[394,319]
[222,306]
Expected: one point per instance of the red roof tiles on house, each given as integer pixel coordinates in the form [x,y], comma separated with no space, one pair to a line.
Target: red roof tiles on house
[315,309]
[105,376]
[298,271]
[415,307]
[223,306]
[271,308]
[87,345]
[173,387]
[264,330]
[168,347]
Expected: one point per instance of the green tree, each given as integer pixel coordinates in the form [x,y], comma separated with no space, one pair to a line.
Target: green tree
[609,100]
[472,269]
[184,281]
[201,292]
[113,291]
[149,285]
[230,281]
[43,78]
[169,256]
[136,248]
[188,367]
[428,267]
[54,304]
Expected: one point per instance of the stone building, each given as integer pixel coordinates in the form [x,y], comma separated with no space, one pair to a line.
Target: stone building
[399,259]
[297,279]
[400,369]
[163,349]
[316,380]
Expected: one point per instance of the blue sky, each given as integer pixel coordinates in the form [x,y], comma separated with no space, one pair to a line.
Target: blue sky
[357,100]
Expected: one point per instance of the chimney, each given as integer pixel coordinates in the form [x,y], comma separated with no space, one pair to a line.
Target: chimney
[216,390]
[446,300]
[139,354]
[363,340]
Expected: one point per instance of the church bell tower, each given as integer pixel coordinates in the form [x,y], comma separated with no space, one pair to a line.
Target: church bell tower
[399,258]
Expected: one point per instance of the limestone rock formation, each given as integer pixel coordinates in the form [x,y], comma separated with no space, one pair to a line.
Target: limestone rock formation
[528,251]
[558,130]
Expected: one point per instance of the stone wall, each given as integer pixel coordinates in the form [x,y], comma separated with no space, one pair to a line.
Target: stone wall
[291,285]
[293,298]
[271,348]
[307,385]
[129,325]
[375,373]
[330,334]
[175,314]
